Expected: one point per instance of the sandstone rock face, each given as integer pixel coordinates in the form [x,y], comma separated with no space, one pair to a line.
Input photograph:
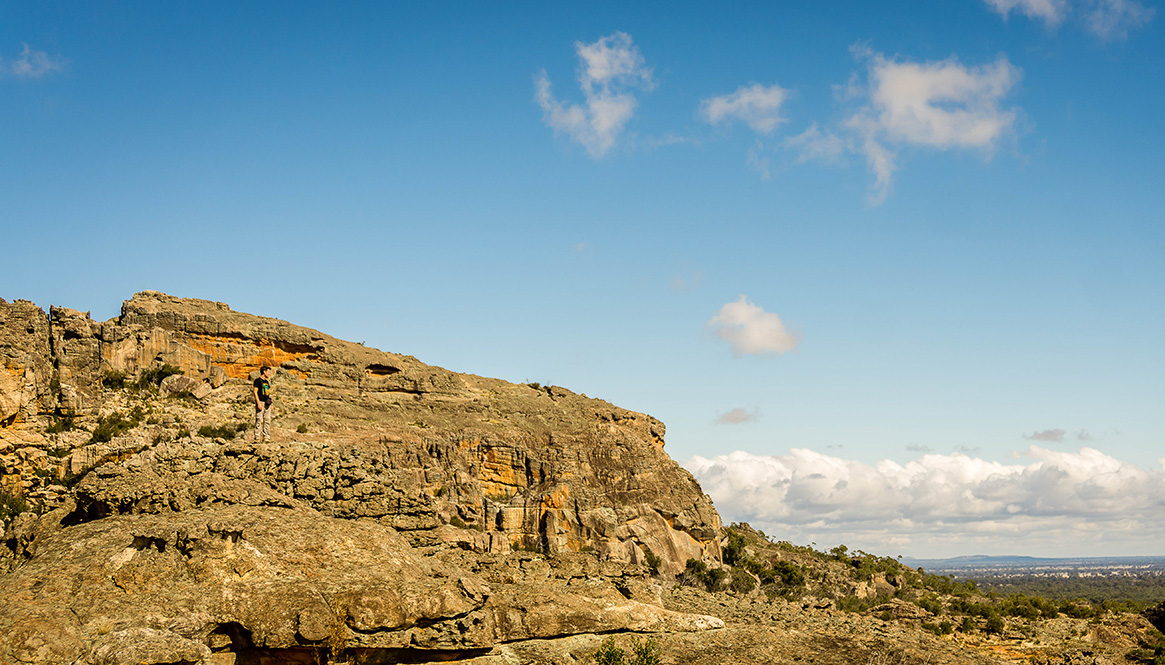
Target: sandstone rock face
[26,371]
[171,541]
[286,582]
[421,446]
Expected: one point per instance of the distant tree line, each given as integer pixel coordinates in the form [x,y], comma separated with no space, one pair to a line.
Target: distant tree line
[1132,592]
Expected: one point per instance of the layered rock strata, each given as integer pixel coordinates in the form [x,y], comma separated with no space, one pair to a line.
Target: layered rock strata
[410,445]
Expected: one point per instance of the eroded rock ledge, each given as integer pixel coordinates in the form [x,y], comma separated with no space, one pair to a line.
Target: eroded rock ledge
[404,511]
[250,584]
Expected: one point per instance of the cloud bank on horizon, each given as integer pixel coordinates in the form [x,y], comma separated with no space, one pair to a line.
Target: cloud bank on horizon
[944,505]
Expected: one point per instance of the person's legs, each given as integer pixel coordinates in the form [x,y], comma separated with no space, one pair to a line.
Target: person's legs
[257,435]
[267,421]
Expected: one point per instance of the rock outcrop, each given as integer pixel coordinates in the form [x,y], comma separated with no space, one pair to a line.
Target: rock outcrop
[404,512]
[25,363]
[284,584]
[410,445]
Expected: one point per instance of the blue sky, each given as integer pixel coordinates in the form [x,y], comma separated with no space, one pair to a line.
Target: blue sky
[841,249]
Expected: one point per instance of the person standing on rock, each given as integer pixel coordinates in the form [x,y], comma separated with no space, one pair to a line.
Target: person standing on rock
[263,404]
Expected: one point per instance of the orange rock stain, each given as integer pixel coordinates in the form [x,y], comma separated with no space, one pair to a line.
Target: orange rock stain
[239,358]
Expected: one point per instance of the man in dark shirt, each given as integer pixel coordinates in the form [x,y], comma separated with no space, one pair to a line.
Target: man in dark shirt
[263,403]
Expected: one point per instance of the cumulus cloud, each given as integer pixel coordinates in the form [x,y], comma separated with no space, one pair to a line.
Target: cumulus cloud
[610,70]
[941,105]
[1051,12]
[737,416]
[816,145]
[943,505]
[1047,435]
[1112,19]
[31,64]
[751,330]
[757,106]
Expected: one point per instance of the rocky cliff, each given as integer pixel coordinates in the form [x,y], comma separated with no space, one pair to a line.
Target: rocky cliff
[385,436]
[164,533]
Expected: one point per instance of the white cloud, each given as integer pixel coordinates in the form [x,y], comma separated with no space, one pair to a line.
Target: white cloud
[751,330]
[1047,435]
[1108,19]
[758,160]
[757,105]
[816,145]
[941,105]
[609,70]
[31,64]
[1051,12]
[944,505]
[1112,19]
[737,416]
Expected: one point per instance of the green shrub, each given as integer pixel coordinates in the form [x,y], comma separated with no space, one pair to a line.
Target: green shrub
[113,380]
[533,546]
[608,653]
[112,425]
[931,604]
[302,429]
[1077,609]
[62,424]
[852,604]
[733,551]
[697,573]
[645,652]
[11,505]
[153,376]
[995,624]
[790,574]
[715,579]
[653,562]
[741,581]
[217,432]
